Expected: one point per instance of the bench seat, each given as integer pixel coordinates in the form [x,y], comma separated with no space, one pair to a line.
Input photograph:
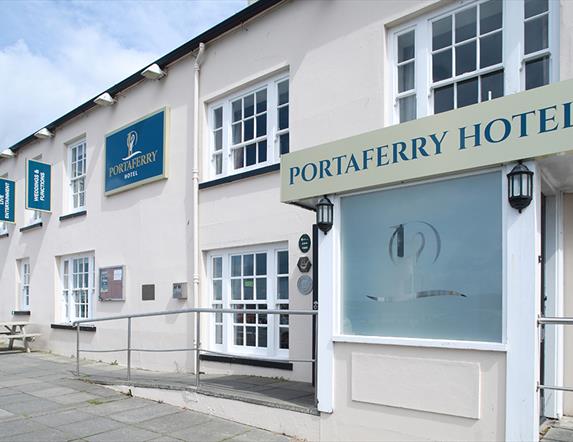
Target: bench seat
[25,337]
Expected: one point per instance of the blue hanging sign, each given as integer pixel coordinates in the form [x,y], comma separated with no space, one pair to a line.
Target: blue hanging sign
[135,154]
[38,186]
[7,198]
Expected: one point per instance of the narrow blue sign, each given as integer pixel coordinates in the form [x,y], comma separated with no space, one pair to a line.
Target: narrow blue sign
[135,154]
[7,199]
[38,186]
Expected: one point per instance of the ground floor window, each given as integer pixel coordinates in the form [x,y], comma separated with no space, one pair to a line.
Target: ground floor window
[78,287]
[424,261]
[250,279]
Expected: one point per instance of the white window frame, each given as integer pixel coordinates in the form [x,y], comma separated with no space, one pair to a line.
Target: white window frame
[273,132]
[334,272]
[72,207]
[273,350]
[68,303]
[24,292]
[513,62]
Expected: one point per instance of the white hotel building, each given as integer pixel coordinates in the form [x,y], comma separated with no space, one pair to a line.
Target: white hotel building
[429,284]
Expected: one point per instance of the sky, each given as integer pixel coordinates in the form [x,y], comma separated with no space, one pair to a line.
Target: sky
[57,54]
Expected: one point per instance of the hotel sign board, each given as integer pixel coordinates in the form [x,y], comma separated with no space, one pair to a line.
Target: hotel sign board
[526,125]
[7,200]
[38,186]
[136,154]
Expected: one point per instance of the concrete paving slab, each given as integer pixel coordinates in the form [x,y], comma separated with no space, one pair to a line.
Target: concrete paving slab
[259,436]
[90,427]
[75,398]
[49,434]
[103,407]
[125,434]
[20,426]
[145,413]
[213,431]
[31,407]
[559,435]
[166,439]
[5,414]
[175,422]
[62,417]
[52,392]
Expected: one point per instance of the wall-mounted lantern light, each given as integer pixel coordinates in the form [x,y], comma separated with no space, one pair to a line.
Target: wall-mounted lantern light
[324,217]
[520,187]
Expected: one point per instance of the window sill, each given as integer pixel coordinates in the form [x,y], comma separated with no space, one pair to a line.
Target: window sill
[4,235]
[415,342]
[240,176]
[21,312]
[281,365]
[74,215]
[87,328]
[32,226]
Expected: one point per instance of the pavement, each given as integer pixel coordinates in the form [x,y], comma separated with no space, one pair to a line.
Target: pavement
[559,431]
[41,400]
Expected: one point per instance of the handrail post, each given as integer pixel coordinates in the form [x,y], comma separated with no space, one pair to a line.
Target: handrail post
[197,350]
[78,349]
[129,349]
[315,317]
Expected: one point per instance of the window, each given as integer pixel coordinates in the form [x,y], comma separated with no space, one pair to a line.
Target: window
[247,280]
[77,175]
[433,268]
[250,129]
[462,57]
[24,267]
[78,287]
[536,49]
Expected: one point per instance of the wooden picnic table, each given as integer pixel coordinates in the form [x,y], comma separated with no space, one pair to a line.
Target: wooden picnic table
[14,330]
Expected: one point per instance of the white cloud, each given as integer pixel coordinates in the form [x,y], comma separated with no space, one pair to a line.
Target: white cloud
[79,49]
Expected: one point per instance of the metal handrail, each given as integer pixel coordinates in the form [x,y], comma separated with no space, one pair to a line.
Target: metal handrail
[198,310]
[555,320]
[197,349]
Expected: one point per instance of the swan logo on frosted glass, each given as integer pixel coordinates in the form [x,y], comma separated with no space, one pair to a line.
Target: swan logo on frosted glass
[423,241]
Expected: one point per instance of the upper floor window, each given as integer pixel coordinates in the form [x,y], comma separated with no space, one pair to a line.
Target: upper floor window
[249,129]
[77,175]
[466,55]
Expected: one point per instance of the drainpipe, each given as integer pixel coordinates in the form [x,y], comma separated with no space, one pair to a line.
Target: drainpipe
[195,178]
[195,172]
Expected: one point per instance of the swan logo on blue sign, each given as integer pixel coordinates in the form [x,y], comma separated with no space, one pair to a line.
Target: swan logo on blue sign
[135,154]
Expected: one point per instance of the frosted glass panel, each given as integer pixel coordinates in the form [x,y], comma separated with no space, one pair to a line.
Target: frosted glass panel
[424,261]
